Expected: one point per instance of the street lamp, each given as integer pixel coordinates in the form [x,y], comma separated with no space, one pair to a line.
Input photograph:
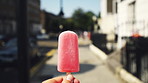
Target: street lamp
[94,18]
[61,27]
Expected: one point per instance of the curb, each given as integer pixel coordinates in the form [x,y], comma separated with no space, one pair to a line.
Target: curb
[82,41]
[98,52]
[36,67]
[115,66]
[127,77]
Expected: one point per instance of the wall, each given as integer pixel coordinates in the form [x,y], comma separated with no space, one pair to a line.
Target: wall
[142,17]
[107,18]
[132,19]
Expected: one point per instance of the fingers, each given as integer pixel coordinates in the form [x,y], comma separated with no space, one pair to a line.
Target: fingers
[68,79]
[76,81]
[54,80]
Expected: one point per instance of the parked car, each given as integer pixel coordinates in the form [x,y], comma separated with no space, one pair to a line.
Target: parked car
[9,50]
[43,37]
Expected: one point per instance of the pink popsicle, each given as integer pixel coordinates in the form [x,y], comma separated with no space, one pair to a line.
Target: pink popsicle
[68,53]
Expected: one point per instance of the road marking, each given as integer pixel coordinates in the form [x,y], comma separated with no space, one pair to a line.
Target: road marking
[50,53]
[36,67]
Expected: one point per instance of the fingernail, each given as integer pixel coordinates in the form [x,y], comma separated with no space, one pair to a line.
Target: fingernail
[76,81]
[69,77]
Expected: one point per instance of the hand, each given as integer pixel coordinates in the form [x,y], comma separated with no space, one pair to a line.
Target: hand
[63,79]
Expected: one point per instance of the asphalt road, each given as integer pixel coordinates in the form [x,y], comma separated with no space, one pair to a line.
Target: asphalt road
[92,69]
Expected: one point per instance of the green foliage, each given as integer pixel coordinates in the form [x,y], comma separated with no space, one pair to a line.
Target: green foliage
[82,20]
[68,24]
[99,15]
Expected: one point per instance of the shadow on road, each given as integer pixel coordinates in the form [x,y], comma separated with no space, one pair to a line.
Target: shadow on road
[49,71]
[86,67]
[84,45]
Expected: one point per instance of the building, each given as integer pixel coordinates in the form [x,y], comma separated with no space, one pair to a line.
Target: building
[34,16]
[8,10]
[7,16]
[50,22]
[107,22]
[107,18]
[131,18]
[132,21]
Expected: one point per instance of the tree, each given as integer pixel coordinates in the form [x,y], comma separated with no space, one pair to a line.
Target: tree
[82,20]
[68,24]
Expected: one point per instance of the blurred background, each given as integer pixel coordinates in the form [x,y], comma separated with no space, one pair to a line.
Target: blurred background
[29,32]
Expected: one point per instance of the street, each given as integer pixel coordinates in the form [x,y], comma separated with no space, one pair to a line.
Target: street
[92,69]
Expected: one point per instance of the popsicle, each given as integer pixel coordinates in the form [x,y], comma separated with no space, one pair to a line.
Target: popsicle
[68,53]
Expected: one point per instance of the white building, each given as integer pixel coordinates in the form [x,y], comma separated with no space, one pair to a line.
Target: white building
[132,18]
[107,18]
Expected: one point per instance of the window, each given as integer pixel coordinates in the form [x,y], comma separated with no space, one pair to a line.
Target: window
[116,7]
[109,6]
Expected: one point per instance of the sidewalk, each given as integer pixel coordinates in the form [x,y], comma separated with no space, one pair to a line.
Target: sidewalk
[113,63]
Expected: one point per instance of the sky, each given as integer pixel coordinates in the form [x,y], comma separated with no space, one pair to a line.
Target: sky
[69,6]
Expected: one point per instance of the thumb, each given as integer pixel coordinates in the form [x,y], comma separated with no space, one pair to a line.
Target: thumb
[69,79]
